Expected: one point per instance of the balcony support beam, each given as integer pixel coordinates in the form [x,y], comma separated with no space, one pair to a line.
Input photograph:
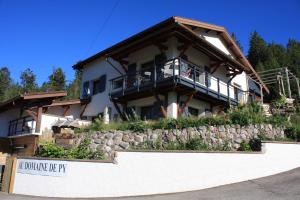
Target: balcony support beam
[161,103]
[186,103]
[82,109]
[216,66]
[39,119]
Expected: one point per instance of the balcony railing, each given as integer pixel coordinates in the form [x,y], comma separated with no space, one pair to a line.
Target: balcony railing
[21,126]
[177,71]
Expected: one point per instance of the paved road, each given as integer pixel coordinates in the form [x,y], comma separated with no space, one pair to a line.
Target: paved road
[282,186]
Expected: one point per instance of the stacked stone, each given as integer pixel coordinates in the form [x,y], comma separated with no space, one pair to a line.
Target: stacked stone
[213,136]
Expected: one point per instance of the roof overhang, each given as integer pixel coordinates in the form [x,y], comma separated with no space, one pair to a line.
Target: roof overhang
[180,27]
[31,100]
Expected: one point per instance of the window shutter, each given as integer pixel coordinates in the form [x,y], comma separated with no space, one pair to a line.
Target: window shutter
[86,89]
[102,84]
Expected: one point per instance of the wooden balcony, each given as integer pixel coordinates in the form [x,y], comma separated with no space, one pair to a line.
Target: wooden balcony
[175,73]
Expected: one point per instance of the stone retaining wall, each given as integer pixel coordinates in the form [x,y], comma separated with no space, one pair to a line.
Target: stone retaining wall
[214,136]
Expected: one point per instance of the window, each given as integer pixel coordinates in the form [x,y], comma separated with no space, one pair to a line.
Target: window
[117,84]
[193,111]
[86,89]
[99,85]
[146,112]
[147,71]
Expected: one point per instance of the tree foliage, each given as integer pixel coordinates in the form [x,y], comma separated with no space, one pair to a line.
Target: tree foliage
[28,81]
[73,88]
[265,56]
[5,81]
[233,36]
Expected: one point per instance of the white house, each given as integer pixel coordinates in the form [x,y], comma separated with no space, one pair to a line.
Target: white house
[179,67]
[28,117]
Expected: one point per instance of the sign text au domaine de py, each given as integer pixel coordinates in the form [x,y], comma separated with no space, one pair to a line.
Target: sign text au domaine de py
[42,167]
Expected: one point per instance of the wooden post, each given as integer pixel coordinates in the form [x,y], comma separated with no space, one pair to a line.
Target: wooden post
[261,94]
[288,82]
[39,119]
[298,87]
[282,86]
[9,174]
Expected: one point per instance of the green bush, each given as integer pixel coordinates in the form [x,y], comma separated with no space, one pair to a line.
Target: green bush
[51,150]
[196,144]
[175,146]
[97,125]
[137,126]
[278,120]
[293,132]
[246,114]
[245,146]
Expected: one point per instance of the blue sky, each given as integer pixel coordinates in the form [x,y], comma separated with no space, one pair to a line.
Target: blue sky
[42,34]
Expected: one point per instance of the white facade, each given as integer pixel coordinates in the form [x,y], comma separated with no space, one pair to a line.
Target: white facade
[92,72]
[5,118]
[147,173]
[52,114]
[101,102]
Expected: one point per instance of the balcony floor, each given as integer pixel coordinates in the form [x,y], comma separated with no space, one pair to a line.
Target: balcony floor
[182,86]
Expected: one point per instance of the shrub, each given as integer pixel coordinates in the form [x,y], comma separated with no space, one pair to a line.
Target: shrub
[51,150]
[278,120]
[97,125]
[137,126]
[293,132]
[196,144]
[244,146]
[247,114]
[175,146]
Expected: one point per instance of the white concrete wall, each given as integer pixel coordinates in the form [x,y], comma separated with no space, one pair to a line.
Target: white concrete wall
[195,103]
[92,72]
[74,111]
[5,118]
[145,173]
[215,40]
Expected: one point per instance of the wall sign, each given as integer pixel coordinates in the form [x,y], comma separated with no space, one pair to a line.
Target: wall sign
[42,167]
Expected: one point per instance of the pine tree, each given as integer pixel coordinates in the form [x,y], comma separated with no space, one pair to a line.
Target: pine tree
[28,81]
[257,51]
[57,80]
[5,81]
[233,36]
[74,87]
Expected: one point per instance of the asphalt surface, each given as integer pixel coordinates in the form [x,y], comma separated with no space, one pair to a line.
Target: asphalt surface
[281,186]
